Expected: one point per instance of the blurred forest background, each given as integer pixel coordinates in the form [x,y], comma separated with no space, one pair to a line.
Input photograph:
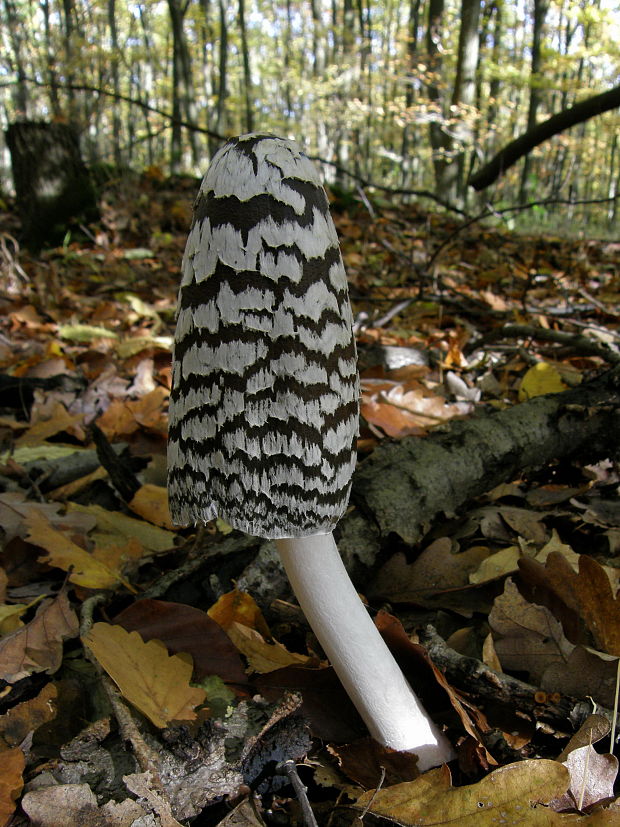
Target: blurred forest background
[411,95]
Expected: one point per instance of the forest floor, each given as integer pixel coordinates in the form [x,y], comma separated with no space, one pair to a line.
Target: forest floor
[156,676]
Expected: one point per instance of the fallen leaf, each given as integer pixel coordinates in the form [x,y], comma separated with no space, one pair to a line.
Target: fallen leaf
[239,607]
[586,594]
[11,782]
[151,503]
[585,673]
[62,552]
[594,729]
[264,657]
[592,778]
[507,795]
[143,785]
[25,718]
[183,628]
[114,528]
[527,636]
[60,421]
[152,680]
[366,762]
[37,646]
[10,617]
[75,805]
[540,379]
[497,565]
[436,569]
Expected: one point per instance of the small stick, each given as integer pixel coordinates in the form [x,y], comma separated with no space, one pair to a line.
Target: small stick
[289,769]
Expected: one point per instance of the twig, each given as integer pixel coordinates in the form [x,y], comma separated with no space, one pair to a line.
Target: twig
[374,795]
[582,344]
[289,769]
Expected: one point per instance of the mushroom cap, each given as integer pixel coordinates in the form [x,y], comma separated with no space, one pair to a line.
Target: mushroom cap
[264,406]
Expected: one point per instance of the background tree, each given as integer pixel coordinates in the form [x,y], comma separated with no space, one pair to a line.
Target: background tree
[405,93]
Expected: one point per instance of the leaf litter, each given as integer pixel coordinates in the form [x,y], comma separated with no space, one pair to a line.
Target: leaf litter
[189,692]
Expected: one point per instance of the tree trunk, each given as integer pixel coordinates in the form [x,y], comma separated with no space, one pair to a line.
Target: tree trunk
[116,120]
[541,7]
[51,181]
[17,61]
[464,99]
[182,87]
[247,74]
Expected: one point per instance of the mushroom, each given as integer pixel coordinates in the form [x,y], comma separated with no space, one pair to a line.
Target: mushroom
[264,407]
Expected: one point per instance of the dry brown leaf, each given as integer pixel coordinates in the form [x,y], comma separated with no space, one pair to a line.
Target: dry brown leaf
[152,680]
[37,647]
[587,595]
[585,673]
[11,781]
[142,785]
[436,569]
[85,569]
[75,805]
[124,417]
[592,778]
[594,729]
[527,636]
[151,503]
[264,657]
[60,420]
[507,795]
[25,718]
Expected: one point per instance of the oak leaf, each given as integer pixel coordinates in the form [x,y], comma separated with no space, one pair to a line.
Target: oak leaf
[85,569]
[507,795]
[37,647]
[11,782]
[155,682]
[151,503]
[264,657]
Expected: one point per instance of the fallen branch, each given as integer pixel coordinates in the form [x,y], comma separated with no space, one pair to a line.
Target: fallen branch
[404,485]
[512,152]
[471,675]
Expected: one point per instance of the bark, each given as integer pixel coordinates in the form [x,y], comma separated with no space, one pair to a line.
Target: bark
[404,485]
[541,7]
[116,84]
[52,183]
[182,86]
[449,141]
[247,73]
[496,688]
[512,152]
[17,62]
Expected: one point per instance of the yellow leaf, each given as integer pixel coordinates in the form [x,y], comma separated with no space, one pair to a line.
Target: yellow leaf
[239,607]
[10,615]
[151,503]
[540,379]
[506,796]
[114,528]
[264,657]
[66,555]
[155,682]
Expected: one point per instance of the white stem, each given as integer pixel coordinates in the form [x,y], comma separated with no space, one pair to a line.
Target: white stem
[358,653]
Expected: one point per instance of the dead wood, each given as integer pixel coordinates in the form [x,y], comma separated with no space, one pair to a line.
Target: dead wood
[470,675]
[403,486]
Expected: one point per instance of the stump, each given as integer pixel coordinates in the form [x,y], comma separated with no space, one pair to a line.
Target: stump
[52,183]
